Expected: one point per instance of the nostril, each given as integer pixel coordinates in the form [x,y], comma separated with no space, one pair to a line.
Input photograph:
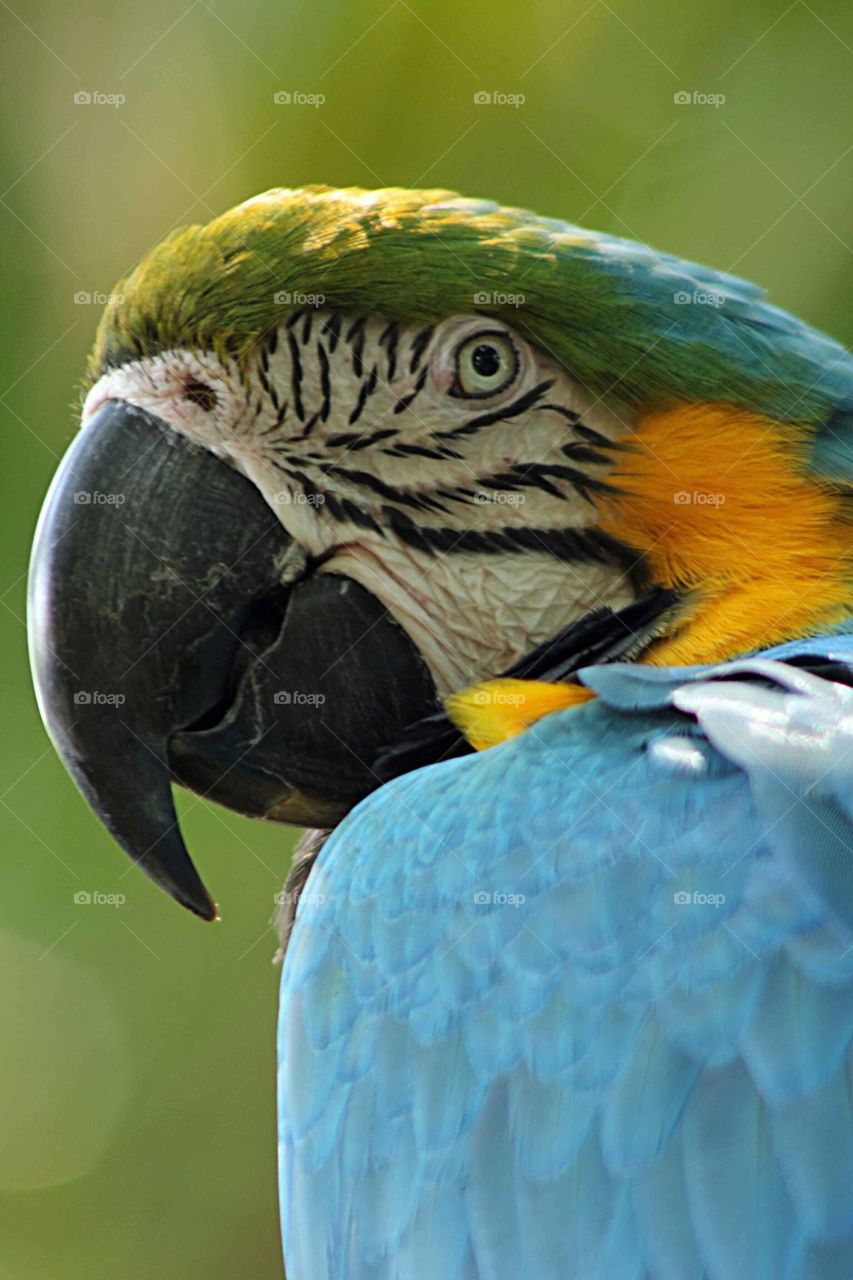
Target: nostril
[199,393]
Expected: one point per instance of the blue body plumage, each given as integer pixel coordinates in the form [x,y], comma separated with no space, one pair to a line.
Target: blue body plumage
[582,1005]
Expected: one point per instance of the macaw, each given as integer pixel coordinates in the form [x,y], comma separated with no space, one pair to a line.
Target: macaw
[514,559]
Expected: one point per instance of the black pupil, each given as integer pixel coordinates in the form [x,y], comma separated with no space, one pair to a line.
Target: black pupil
[486,360]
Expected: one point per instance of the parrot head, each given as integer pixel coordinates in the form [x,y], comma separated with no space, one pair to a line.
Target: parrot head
[345,452]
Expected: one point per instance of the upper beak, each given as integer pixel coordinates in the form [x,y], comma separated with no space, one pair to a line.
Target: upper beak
[177,634]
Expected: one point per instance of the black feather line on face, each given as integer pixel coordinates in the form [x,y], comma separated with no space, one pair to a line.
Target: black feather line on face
[365,391]
[325,382]
[571,415]
[539,474]
[595,437]
[420,451]
[578,451]
[354,442]
[332,330]
[294,318]
[355,337]
[419,346]
[296,377]
[373,485]
[343,510]
[503,414]
[579,546]
[389,339]
[306,485]
[405,401]
[311,424]
[599,637]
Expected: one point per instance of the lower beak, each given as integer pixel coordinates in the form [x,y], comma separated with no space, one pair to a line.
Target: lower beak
[178,634]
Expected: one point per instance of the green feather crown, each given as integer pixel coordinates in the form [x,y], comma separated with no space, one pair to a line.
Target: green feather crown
[638,326]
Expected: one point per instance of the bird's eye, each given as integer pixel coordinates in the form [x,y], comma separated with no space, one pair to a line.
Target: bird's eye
[486,363]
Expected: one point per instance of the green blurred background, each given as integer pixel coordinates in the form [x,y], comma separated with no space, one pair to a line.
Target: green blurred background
[136,1054]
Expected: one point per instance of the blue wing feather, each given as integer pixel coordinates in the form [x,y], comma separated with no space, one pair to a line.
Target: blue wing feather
[582,1005]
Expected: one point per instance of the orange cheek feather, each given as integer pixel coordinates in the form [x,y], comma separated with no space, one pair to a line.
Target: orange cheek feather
[719,502]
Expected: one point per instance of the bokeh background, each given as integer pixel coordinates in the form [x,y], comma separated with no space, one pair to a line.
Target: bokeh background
[136,1044]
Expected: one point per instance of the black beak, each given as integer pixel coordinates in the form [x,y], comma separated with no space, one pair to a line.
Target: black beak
[177,634]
